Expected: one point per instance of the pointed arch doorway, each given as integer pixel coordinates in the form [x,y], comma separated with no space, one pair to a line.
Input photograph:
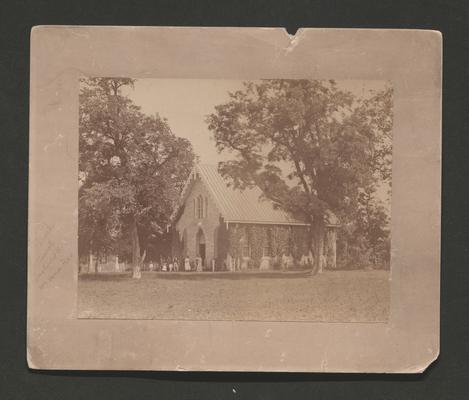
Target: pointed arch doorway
[200,245]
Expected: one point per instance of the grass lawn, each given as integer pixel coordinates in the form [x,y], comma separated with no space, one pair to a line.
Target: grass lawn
[362,296]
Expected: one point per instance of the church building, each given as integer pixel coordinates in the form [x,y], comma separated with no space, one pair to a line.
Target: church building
[229,229]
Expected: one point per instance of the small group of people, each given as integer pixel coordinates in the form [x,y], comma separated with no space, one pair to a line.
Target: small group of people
[172,264]
[283,262]
[306,260]
[166,265]
[192,265]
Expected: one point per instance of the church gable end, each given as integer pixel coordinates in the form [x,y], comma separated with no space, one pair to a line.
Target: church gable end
[197,223]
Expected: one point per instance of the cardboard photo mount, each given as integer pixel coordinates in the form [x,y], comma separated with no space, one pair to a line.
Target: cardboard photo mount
[60,55]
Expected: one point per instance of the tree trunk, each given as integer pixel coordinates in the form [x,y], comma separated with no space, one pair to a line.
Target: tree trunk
[334,248]
[331,248]
[136,258]
[311,248]
[91,263]
[318,246]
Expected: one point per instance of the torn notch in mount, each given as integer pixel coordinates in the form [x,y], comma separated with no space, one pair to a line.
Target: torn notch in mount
[294,38]
[291,31]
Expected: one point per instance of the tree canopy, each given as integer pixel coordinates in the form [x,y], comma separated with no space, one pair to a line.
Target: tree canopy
[131,169]
[310,146]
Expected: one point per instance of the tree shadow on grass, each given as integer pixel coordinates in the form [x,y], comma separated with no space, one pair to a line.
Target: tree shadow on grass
[203,276]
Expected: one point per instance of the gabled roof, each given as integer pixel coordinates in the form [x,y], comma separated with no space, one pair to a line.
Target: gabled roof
[243,206]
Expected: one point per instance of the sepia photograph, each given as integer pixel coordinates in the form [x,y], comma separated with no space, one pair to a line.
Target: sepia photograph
[249,200]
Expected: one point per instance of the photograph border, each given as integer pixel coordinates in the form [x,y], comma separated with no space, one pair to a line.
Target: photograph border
[273,283]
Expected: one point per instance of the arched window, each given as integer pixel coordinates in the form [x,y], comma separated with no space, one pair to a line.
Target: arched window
[184,243]
[200,207]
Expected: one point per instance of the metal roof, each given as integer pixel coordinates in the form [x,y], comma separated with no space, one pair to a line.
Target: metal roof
[243,206]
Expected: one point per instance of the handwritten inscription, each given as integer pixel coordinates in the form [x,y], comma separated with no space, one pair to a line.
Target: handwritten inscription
[53,257]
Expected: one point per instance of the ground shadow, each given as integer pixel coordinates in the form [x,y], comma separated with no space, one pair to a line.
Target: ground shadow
[201,275]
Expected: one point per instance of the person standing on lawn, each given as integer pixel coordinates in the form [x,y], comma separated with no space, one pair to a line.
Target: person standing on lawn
[187,264]
[198,263]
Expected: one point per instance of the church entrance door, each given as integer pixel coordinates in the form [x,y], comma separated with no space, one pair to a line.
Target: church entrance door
[200,245]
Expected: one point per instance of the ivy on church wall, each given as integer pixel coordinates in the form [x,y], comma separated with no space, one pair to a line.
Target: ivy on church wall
[236,235]
[257,241]
[280,240]
[273,239]
[300,239]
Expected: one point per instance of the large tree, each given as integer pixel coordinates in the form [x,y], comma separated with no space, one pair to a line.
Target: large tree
[311,147]
[131,169]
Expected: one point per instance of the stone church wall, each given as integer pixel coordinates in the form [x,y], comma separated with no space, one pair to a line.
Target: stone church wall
[189,223]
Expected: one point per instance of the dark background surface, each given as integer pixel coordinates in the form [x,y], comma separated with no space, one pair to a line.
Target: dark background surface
[446,379]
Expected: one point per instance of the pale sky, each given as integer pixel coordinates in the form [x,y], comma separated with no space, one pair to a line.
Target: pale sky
[186,102]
